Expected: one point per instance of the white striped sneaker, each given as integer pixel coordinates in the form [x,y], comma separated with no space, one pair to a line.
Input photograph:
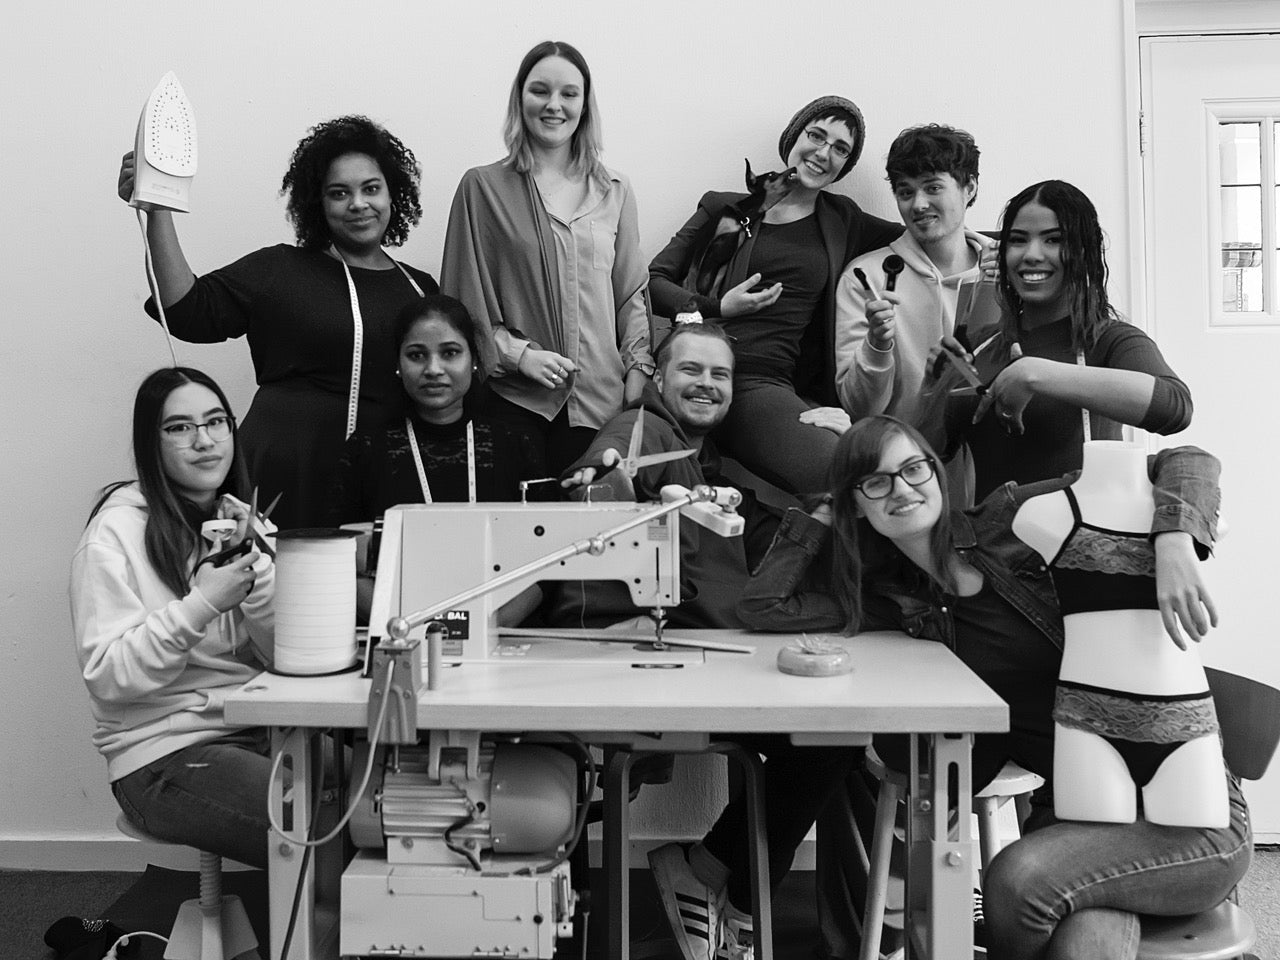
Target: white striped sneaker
[693,908]
[737,937]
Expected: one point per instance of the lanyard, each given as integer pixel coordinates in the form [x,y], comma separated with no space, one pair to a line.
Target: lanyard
[357,339]
[422,472]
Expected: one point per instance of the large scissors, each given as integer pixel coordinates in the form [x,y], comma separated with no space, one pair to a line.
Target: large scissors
[632,463]
[257,522]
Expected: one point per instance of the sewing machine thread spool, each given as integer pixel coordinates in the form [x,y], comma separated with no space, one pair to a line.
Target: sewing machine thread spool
[315,601]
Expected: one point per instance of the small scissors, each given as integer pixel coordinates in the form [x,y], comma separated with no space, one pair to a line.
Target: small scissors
[633,462]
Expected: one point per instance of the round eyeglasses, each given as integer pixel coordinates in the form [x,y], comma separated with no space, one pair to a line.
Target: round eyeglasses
[184,434]
[915,473]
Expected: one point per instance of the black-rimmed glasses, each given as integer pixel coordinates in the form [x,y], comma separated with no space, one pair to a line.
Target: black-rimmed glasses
[184,434]
[839,149]
[915,473]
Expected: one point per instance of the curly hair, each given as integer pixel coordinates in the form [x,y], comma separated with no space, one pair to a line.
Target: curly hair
[309,165]
[1084,261]
[933,148]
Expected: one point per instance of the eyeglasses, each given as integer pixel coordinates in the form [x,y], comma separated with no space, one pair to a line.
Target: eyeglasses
[877,486]
[839,149]
[184,434]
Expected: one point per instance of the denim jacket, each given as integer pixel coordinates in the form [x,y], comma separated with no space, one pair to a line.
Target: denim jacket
[789,589]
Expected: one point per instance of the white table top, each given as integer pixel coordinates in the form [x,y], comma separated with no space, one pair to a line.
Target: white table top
[898,685]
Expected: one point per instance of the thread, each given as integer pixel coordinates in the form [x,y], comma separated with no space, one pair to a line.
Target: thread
[315,601]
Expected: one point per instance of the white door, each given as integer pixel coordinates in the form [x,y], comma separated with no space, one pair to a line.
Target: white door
[1212,128]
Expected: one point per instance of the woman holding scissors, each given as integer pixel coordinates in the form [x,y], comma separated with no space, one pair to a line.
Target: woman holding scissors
[1064,353]
[165,628]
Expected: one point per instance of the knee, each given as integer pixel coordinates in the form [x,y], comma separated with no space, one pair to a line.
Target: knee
[1017,889]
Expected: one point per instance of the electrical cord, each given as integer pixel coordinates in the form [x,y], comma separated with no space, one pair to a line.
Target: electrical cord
[155,285]
[359,793]
[123,941]
[580,823]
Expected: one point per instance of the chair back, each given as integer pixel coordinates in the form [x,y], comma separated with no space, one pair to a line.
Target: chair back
[1249,715]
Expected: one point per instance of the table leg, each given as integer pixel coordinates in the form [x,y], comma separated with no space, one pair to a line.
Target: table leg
[614,854]
[758,846]
[291,808]
[939,902]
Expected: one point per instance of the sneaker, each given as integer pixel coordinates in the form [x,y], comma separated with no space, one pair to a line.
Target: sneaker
[693,908]
[737,936]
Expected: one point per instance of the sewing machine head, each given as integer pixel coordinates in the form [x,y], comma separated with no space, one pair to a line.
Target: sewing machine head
[431,553]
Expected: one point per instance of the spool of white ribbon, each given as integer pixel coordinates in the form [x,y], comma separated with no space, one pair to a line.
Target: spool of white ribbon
[315,601]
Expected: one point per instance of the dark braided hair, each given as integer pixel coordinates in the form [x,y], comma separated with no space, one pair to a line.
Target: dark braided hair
[1084,262]
[309,165]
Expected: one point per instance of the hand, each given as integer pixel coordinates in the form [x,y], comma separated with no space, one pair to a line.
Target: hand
[834,419]
[226,587]
[1012,390]
[124,184]
[585,476]
[881,315]
[1180,592]
[989,261]
[739,302]
[937,364]
[545,367]
[229,508]
[822,512]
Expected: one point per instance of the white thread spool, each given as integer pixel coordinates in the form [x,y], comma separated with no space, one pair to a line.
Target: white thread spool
[315,602]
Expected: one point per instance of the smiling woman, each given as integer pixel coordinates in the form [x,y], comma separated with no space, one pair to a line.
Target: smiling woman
[543,247]
[1079,360]
[318,316]
[777,298]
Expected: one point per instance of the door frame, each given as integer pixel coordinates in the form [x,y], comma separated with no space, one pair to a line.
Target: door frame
[1168,18]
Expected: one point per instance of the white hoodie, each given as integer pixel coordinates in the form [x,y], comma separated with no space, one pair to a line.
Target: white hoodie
[870,381]
[158,666]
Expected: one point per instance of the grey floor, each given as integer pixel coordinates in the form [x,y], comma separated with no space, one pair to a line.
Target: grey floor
[31,900]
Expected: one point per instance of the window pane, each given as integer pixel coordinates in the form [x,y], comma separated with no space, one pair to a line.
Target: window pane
[1239,149]
[1241,216]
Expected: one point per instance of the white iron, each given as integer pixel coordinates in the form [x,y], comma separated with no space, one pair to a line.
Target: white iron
[165,150]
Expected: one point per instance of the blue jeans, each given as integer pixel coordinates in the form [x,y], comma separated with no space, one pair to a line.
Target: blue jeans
[763,432]
[211,796]
[1073,890]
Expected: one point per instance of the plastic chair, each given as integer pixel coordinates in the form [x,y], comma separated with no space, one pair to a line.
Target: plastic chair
[1249,715]
[1013,782]
[211,927]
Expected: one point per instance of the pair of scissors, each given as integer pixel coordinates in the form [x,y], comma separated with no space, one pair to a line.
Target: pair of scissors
[968,372]
[257,522]
[632,463]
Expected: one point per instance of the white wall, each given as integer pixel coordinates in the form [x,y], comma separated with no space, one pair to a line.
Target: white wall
[686,91]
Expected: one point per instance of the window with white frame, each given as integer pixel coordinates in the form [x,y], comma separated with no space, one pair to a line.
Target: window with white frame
[1248,191]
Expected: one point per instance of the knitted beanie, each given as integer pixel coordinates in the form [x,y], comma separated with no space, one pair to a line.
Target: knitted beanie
[821,107]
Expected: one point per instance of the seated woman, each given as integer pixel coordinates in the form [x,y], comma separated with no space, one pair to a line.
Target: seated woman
[903,560]
[439,449]
[777,298]
[162,637]
[1076,354]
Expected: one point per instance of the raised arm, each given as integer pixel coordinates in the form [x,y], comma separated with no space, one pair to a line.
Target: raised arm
[173,274]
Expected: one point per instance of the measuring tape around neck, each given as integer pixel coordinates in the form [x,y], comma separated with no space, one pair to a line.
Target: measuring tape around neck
[422,472]
[357,330]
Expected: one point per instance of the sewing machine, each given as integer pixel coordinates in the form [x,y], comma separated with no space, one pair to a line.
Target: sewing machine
[457,564]
[464,838]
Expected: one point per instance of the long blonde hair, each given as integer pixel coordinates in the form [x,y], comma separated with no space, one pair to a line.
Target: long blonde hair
[586,146]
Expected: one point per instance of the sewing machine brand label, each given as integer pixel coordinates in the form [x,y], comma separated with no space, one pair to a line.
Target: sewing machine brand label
[658,529]
[459,630]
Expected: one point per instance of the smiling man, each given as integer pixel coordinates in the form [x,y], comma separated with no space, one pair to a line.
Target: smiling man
[882,342]
[689,396]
